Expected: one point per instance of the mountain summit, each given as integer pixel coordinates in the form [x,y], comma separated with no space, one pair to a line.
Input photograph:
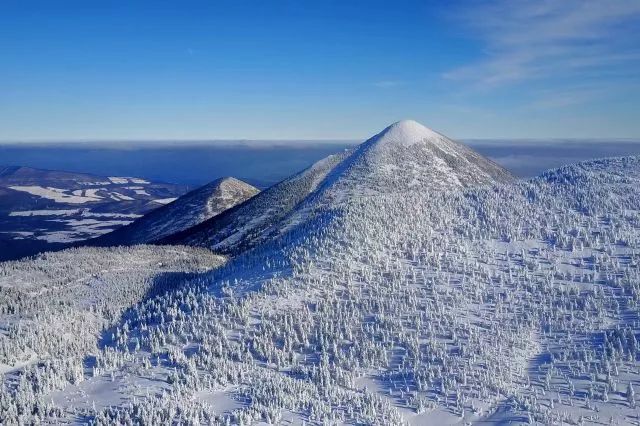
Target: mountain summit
[405,132]
[187,211]
[405,156]
[409,155]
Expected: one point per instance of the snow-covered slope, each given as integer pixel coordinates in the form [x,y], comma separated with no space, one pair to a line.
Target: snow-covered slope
[494,304]
[408,155]
[405,156]
[56,310]
[249,223]
[464,299]
[187,211]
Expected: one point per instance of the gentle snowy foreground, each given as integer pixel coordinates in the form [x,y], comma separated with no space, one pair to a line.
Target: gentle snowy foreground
[408,281]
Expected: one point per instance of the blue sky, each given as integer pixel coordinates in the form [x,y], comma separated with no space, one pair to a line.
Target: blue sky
[73,70]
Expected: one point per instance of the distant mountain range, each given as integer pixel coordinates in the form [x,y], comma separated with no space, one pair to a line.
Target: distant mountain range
[46,209]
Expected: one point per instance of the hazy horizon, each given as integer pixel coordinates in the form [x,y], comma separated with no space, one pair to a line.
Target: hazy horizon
[263,164]
[292,143]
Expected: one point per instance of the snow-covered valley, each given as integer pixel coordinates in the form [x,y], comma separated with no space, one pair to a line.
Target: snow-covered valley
[406,281]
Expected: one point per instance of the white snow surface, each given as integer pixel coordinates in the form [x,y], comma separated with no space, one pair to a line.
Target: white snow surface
[119,180]
[164,200]
[406,133]
[56,212]
[56,194]
[467,298]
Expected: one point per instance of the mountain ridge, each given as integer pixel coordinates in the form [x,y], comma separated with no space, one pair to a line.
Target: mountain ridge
[404,155]
[186,211]
[243,225]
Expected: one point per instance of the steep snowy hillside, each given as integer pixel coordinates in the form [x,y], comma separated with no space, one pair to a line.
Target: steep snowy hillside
[503,303]
[249,223]
[463,299]
[187,211]
[56,310]
[405,156]
[45,209]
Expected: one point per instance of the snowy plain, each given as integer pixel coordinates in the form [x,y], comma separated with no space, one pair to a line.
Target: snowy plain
[42,210]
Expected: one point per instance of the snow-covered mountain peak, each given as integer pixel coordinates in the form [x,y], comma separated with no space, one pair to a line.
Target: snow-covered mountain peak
[230,180]
[403,158]
[407,155]
[227,192]
[227,185]
[406,132]
[378,286]
[189,210]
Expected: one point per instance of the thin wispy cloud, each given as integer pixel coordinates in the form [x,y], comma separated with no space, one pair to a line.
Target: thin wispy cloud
[387,84]
[527,40]
[547,99]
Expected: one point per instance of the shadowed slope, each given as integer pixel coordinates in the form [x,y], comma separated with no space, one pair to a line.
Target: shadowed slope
[189,210]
